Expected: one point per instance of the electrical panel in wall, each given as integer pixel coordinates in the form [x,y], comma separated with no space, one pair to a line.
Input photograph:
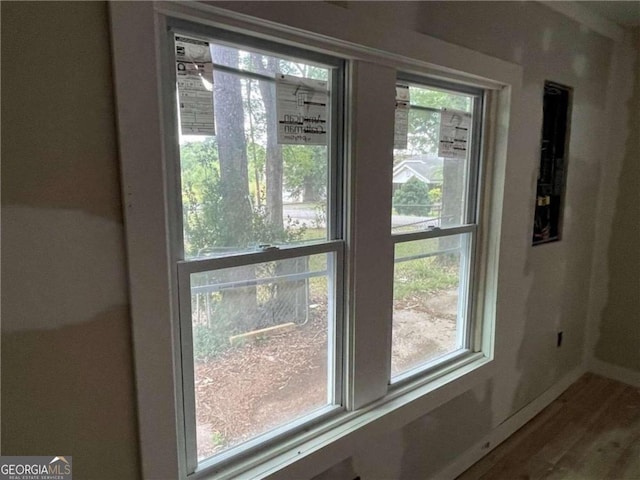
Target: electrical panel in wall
[553,163]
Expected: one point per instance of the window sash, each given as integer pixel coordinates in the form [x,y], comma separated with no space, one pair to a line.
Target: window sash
[184,268]
[469,230]
[472,202]
[187,267]
[334,347]
[435,232]
[467,292]
[337,68]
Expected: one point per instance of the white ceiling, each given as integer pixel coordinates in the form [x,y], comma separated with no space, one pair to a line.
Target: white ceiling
[622,12]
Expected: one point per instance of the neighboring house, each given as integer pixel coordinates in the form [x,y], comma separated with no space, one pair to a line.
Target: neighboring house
[426,168]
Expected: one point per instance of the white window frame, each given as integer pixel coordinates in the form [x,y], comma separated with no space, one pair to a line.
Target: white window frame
[469,230]
[138,30]
[333,246]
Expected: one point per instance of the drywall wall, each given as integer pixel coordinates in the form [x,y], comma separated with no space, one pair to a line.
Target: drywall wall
[615,334]
[551,282]
[67,375]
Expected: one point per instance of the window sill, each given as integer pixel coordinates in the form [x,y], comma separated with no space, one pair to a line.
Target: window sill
[318,449]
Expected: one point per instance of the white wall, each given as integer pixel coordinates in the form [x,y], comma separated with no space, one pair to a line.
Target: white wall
[67,373]
[614,313]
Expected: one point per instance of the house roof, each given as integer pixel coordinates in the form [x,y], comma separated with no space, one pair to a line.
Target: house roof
[425,167]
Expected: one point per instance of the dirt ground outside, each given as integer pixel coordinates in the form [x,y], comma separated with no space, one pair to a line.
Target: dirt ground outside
[251,389]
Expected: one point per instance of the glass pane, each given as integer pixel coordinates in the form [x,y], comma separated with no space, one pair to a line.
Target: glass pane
[261,347]
[240,188]
[257,62]
[429,300]
[428,190]
[434,98]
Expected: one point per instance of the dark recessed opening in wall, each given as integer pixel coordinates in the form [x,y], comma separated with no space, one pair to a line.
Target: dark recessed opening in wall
[550,191]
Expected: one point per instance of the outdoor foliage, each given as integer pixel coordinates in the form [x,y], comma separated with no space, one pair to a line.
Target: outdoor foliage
[209,342]
[233,190]
[424,126]
[306,172]
[423,276]
[420,276]
[412,198]
[208,225]
[435,195]
[424,131]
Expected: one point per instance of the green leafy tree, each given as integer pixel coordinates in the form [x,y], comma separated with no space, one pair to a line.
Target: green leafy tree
[201,196]
[306,171]
[435,194]
[226,207]
[234,225]
[435,199]
[424,132]
[305,166]
[424,125]
[412,198]
[203,206]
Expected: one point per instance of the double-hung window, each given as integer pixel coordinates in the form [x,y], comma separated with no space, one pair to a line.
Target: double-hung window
[285,297]
[258,238]
[434,223]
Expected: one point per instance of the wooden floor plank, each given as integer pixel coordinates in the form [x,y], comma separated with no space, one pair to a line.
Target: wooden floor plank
[577,438]
[599,447]
[590,432]
[499,453]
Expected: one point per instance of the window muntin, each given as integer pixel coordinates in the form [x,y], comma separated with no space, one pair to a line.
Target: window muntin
[260,274]
[434,226]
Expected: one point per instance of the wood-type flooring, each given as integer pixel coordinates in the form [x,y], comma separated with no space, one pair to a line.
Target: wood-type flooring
[590,432]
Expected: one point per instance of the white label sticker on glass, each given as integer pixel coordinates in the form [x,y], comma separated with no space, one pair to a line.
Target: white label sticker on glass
[401,130]
[302,110]
[195,86]
[455,126]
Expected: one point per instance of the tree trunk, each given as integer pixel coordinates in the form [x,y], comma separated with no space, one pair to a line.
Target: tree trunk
[309,191]
[273,167]
[232,150]
[239,305]
[452,192]
[289,298]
